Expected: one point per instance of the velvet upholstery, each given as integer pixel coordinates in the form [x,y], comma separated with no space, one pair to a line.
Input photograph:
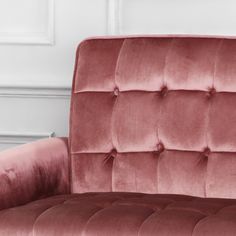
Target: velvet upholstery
[121,214]
[33,171]
[152,145]
[166,103]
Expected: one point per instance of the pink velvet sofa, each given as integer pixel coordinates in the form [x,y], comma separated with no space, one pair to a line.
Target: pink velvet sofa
[151,150]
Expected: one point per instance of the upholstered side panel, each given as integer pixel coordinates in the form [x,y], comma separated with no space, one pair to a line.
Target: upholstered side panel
[155,115]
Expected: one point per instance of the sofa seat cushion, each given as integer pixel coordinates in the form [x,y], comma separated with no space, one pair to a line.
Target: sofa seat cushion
[121,214]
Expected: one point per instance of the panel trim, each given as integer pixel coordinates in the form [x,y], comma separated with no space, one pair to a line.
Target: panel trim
[35,92]
[41,38]
[22,138]
[113,17]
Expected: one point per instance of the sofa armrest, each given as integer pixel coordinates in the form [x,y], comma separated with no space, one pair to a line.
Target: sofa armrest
[33,171]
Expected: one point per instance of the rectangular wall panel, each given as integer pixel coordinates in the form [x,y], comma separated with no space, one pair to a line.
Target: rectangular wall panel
[26,21]
[28,114]
[174,17]
[38,41]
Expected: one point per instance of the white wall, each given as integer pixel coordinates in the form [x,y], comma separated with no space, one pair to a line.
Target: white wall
[38,39]
[211,17]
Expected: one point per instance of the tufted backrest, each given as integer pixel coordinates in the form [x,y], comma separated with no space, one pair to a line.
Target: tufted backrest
[155,115]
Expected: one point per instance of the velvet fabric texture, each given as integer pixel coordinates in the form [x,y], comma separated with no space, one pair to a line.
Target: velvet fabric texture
[152,146]
[121,214]
[155,115]
[33,171]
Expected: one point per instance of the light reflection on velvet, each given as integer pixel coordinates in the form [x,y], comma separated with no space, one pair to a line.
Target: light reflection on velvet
[136,94]
[141,64]
[117,213]
[190,63]
[89,69]
[149,115]
[33,171]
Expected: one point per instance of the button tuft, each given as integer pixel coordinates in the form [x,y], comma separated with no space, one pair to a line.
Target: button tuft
[110,156]
[211,92]
[160,147]
[206,152]
[113,152]
[116,91]
[164,91]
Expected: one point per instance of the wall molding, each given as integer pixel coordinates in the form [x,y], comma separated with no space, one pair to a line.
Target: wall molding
[35,92]
[22,138]
[41,38]
[114,17]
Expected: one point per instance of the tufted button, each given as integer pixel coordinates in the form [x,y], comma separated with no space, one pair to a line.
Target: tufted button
[206,152]
[113,152]
[211,92]
[116,91]
[164,91]
[110,156]
[160,148]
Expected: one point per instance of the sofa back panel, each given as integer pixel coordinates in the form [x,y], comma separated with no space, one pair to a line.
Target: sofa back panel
[155,115]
